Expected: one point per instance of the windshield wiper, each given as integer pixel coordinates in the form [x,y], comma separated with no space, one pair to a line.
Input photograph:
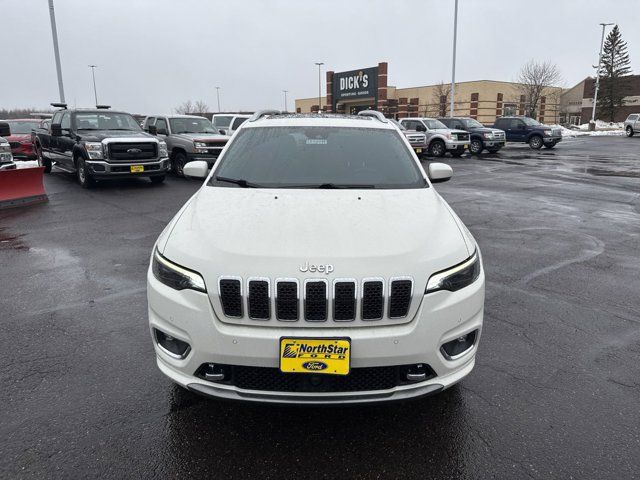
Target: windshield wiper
[238,181]
[341,185]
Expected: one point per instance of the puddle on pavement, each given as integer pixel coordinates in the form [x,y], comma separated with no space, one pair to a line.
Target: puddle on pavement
[9,241]
[604,172]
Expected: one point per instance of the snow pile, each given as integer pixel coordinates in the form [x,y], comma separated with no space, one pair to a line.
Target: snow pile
[26,163]
[602,129]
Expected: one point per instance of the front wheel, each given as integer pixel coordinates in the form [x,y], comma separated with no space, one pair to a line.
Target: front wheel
[476,146]
[84,177]
[536,142]
[629,131]
[42,160]
[437,148]
[457,153]
[178,162]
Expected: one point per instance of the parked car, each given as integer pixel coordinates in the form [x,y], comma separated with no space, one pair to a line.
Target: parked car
[316,264]
[99,143]
[439,138]
[632,124]
[20,138]
[226,124]
[527,130]
[417,139]
[480,137]
[188,138]
[6,157]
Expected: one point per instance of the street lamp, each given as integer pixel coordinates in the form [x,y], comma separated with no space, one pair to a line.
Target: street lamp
[592,123]
[218,96]
[285,100]
[453,68]
[319,64]
[56,52]
[93,74]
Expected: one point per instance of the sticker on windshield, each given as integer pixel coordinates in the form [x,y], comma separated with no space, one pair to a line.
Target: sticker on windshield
[316,141]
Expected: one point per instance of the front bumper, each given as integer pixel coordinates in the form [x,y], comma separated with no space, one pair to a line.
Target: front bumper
[443,316]
[548,140]
[8,166]
[457,144]
[103,169]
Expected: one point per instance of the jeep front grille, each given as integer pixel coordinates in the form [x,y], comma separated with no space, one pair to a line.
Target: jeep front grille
[316,300]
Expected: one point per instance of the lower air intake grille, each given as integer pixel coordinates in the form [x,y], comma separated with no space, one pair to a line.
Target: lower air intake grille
[315,301]
[399,298]
[344,301]
[258,300]
[372,300]
[287,301]
[231,297]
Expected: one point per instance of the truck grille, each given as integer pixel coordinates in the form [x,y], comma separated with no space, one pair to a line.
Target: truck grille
[316,300]
[498,135]
[416,139]
[462,137]
[132,152]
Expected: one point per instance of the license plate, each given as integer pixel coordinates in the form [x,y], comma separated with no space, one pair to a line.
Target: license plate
[466,146]
[326,356]
[137,168]
[418,150]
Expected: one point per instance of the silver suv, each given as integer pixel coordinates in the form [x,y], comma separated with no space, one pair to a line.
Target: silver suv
[188,138]
[439,138]
[632,124]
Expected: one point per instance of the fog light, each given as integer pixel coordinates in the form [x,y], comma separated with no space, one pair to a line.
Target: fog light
[213,372]
[172,346]
[456,348]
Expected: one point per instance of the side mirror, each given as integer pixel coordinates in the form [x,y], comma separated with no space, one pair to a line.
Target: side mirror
[439,172]
[5,129]
[196,169]
[56,130]
[152,129]
[222,132]
[421,128]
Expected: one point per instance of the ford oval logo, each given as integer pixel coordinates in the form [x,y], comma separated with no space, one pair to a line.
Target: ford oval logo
[134,151]
[314,366]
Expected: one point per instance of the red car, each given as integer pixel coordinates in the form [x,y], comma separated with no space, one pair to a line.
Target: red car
[20,138]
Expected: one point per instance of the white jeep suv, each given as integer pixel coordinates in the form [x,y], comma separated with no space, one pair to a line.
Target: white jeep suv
[316,264]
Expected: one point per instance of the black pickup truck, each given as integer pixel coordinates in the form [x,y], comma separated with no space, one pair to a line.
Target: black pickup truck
[481,137]
[528,130]
[98,144]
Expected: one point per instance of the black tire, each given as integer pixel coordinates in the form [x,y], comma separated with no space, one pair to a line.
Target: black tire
[437,148]
[157,179]
[42,160]
[178,162]
[630,131]
[84,177]
[476,146]
[536,142]
[494,150]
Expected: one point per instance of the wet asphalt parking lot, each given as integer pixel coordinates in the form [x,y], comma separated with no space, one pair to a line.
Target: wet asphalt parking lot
[555,392]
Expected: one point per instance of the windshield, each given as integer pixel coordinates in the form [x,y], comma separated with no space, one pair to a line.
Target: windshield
[222,121]
[106,121]
[18,128]
[434,124]
[530,121]
[471,123]
[191,125]
[318,157]
[397,124]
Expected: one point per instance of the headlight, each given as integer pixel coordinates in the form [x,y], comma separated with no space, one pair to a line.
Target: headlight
[487,135]
[457,277]
[548,132]
[448,135]
[5,147]
[200,147]
[175,276]
[162,149]
[94,150]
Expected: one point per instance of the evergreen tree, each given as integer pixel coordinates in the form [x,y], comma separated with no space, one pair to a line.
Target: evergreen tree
[614,71]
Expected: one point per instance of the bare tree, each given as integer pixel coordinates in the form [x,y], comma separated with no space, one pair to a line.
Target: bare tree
[200,107]
[185,108]
[440,98]
[534,81]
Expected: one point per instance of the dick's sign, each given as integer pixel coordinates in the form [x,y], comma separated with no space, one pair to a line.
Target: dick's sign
[355,84]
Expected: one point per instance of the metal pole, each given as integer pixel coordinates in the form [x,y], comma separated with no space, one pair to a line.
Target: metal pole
[218,96]
[95,91]
[319,85]
[285,100]
[56,52]
[453,68]
[595,95]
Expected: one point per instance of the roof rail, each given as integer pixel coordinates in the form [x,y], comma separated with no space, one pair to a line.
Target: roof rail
[59,105]
[263,113]
[103,107]
[374,114]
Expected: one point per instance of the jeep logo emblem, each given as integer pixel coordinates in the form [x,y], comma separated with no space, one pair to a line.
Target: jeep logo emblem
[307,267]
[134,151]
[314,366]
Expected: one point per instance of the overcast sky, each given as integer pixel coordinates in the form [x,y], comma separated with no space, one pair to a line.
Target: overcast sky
[154,54]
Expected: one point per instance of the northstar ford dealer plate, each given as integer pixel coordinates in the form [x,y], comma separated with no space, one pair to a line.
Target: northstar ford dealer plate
[329,356]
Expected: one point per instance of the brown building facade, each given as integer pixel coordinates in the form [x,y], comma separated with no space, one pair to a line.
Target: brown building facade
[632,99]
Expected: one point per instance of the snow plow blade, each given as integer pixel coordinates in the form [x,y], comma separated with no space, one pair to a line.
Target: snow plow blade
[21,187]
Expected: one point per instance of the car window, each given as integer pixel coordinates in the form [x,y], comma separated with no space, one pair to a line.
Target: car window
[434,124]
[325,157]
[161,124]
[56,117]
[149,121]
[191,125]
[105,121]
[22,127]
[222,121]
[237,122]
[65,123]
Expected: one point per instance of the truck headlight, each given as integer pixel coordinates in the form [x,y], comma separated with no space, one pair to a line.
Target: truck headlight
[200,147]
[5,153]
[455,278]
[5,147]
[548,133]
[94,150]
[175,276]
[162,150]
[487,135]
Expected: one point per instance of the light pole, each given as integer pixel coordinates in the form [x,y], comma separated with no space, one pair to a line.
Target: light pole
[285,100]
[93,74]
[218,96]
[453,68]
[56,52]
[592,123]
[319,64]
